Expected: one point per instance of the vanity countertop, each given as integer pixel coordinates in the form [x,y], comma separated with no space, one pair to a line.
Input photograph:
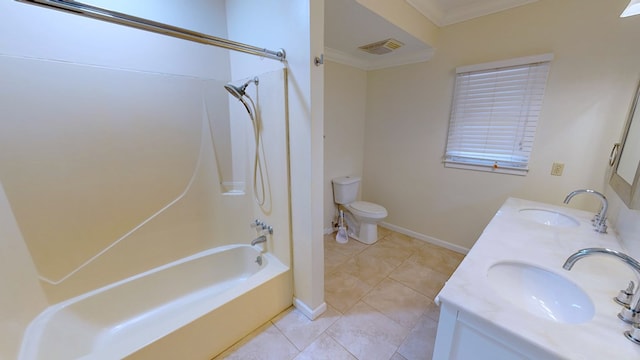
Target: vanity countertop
[511,237]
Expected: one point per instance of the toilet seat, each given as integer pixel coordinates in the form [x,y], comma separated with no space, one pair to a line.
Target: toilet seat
[368,210]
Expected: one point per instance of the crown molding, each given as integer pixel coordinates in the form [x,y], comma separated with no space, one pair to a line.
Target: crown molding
[429,9]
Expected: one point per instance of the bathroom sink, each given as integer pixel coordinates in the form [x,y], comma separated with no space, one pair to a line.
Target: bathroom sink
[549,217]
[540,292]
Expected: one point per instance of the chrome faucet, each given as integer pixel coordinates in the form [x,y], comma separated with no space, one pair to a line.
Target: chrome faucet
[600,220]
[258,240]
[632,313]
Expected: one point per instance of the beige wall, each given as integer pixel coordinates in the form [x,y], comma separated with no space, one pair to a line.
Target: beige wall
[626,223]
[344,121]
[590,86]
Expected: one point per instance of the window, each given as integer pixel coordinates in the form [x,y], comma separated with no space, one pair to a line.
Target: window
[495,113]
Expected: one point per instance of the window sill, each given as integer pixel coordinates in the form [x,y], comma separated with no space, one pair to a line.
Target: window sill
[492,169]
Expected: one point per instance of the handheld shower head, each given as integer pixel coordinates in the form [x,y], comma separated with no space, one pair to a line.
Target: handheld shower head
[239,91]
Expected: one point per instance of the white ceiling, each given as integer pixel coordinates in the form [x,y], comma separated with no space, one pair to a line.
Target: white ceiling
[447,12]
[349,25]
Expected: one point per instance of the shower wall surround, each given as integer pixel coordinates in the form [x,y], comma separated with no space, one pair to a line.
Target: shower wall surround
[102,151]
[26,298]
[114,171]
[33,32]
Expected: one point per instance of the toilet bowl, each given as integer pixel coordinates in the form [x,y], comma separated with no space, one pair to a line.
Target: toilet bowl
[362,216]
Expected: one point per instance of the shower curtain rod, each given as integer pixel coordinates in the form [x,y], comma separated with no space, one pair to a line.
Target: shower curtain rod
[94,12]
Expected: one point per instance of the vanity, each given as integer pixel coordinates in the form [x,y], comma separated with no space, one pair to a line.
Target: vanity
[510,298]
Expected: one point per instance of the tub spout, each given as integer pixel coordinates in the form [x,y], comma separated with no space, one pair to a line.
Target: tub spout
[258,240]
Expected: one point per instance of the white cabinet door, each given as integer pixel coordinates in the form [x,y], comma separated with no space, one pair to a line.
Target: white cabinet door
[462,336]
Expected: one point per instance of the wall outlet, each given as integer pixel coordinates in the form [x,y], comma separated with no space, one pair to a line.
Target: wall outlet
[557,168]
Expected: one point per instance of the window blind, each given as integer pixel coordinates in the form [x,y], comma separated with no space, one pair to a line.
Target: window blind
[495,114]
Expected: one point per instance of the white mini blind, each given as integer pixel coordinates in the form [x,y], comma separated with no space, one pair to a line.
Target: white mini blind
[495,114]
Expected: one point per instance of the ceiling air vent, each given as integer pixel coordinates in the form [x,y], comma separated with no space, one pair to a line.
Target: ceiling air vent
[381,47]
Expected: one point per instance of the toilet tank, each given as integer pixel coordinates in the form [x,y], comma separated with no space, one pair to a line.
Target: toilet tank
[345,189]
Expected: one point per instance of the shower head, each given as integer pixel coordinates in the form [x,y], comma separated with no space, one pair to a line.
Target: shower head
[239,91]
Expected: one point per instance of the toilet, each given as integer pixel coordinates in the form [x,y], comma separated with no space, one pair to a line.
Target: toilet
[362,217]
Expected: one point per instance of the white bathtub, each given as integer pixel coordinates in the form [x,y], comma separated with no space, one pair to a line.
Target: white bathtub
[184,309]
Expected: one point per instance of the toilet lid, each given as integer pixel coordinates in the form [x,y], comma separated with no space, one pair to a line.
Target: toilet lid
[367,207]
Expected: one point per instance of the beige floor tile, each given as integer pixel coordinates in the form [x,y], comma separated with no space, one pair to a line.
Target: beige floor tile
[388,252]
[343,290]
[433,311]
[404,241]
[300,330]
[325,348]
[420,278]
[265,343]
[382,232]
[397,356]
[333,259]
[350,249]
[398,302]
[438,259]
[367,334]
[369,269]
[420,342]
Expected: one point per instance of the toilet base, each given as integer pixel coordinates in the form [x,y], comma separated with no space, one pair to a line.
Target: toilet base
[363,230]
[368,233]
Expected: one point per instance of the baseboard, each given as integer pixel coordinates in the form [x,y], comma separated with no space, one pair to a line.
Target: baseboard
[328,231]
[429,239]
[307,311]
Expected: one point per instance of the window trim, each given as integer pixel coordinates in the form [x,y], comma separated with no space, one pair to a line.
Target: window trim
[527,60]
[506,63]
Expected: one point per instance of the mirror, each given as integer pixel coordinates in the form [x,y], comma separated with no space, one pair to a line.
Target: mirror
[624,179]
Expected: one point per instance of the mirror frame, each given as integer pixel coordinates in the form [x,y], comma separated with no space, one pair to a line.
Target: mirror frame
[629,193]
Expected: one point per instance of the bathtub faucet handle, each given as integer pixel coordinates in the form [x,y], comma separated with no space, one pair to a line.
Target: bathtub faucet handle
[267,228]
[256,224]
[261,227]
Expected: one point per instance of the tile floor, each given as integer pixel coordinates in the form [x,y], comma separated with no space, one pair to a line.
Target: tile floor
[379,305]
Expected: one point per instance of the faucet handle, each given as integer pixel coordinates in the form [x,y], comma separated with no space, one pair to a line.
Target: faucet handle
[624,298]
[256,223]
[601,226]
[633,334]
[625,295]
[628,315]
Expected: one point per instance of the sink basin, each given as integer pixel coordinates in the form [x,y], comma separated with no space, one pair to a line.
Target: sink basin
[549,217]
[541,292]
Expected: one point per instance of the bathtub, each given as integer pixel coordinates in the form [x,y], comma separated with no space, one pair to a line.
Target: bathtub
[192,308]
